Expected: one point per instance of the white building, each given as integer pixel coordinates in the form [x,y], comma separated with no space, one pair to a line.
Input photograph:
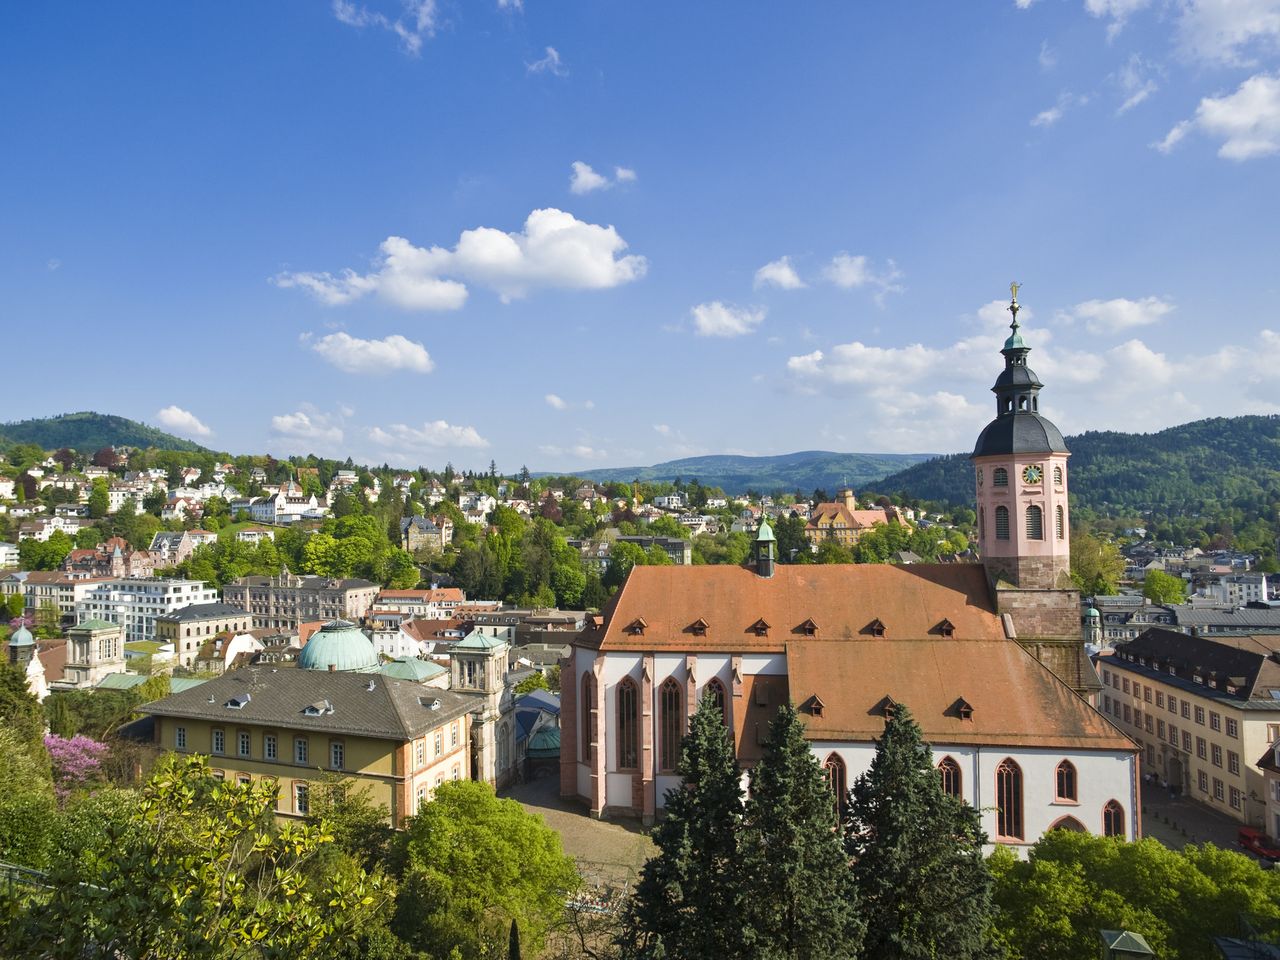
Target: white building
[136,603]
[8,555]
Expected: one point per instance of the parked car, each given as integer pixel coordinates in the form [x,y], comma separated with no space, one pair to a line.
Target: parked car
[1256,842]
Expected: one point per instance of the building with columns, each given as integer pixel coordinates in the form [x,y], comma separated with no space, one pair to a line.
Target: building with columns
[988,656]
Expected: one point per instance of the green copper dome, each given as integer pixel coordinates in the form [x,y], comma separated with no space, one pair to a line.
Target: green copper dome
[339,646]
[21,638]
[765,533]
[412,669]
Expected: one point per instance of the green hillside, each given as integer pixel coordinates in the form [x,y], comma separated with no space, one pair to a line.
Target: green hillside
[86,432]
[789,471]
[1190,469]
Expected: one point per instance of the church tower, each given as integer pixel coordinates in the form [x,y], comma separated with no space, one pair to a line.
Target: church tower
[1020,471]
[1024,531]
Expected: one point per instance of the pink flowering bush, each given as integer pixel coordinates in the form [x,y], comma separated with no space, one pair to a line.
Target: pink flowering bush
[76,763]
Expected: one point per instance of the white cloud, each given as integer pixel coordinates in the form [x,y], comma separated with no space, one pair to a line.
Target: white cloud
[1048,56]
[510,4]
[182,421]
[433,434]
[554,249]
[555,402]
[778,273]
[1066,100]
[1247,121]
[663,429]
[851,272]
[1136,83]
[1118,11]
[309,426]
[1023,4]
[551,63]
[584,179]
[1228,31]
[417,22]
[1112,316]
[353,355]
[53,264]
[718,319]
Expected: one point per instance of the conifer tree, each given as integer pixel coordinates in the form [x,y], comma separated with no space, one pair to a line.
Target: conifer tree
[801,903]
[688,904]
[923,886]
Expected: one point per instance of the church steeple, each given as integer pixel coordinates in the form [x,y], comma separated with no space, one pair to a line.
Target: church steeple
[763,548]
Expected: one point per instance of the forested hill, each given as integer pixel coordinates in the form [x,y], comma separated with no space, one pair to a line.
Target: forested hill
[86,432]
[1188,468]
[789,471]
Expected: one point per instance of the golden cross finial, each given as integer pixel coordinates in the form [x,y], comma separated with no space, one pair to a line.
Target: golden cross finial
[1014,288]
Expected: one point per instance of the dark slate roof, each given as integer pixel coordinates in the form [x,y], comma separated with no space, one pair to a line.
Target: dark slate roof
[204,611]
[278,697]
[1248,664]
[1020,432]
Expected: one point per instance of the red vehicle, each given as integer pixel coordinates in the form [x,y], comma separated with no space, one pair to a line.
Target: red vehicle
[1256,842]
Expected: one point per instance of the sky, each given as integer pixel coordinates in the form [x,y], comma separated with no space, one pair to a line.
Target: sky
[570,234]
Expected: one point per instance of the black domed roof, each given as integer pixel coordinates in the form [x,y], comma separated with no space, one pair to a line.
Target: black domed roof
[1016,376]
[1022,432]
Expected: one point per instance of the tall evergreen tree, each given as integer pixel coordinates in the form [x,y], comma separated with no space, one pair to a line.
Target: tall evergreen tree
[923,885]
[801,903]
[689,903]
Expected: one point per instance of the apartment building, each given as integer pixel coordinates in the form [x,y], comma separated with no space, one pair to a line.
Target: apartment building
[285,601]
[136,603]
[191,626]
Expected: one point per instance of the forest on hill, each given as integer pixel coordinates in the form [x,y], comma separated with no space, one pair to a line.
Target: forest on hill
[87,431]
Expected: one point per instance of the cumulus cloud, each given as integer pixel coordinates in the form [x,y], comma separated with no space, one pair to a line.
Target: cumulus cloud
[433,434]
[852,272]
[1228,31]
[353,355]
[779,273]
[308,426]
[718,319]
[1247,122]
[1117,11]
[554,249]
[555,402]
[584,179]
[551,63]
[1112,316]
[416,23]
[183,422]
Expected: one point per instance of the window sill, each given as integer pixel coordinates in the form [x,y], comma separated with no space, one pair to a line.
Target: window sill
[1059,802]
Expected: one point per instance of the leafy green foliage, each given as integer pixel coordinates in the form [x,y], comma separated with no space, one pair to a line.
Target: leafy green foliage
[473,863]
[1161,587]
[1096,564]
[90,431]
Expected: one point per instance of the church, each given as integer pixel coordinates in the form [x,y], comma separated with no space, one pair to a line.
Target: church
[987,656]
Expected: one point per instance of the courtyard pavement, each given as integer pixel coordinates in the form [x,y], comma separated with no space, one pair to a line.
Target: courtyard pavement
[1175,822]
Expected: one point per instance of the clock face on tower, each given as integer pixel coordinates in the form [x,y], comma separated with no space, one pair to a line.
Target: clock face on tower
[1032,474]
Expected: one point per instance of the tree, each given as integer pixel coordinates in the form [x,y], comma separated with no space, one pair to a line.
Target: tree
[99,499]
[800,901]
[28,812]
[1096,565]
[1161,587]
[20,711]
[917,855]
[76,762]
[792,541]
[474,863]
[198,871]
[535,681]
[691,897]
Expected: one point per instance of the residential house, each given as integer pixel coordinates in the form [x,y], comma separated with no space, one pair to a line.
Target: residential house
[58,588]
[170,547]
[680,551]
[42,528]
[8,555]
[426,533]
[255,535]
[436,603]
[188,627]
[115,558]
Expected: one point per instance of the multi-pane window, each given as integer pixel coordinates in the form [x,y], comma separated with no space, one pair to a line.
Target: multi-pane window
[834,771]
[243,743]
[1202,781]
[300,750]
[715,692]
[671,724]
[1160,729]
[1233,762]
[1106,704]
[1186,740]
[439,742]
[1202,748]
[1113,820]
[270,747]
[1219,792]
[419,753]
[1128,713]
[1125,681]
[1065,783]
[219,744]
[337,755]
[180,738]
[588,712]
[1215,721]
[1217,755]
[1000,477]
[628,725]
[1159,699]
[1009,800]
[1146,722]
[949,771]
[1002,523]
[301,799]
[1186,710]
[1060,523]
[1137,717]
[1235,798]
[1173,734]
[1233,728]
[1173,703]
[1146,693]
[453,734]
[1200,715]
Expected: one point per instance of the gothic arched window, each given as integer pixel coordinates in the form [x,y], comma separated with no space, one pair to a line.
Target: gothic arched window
[1113,820]
[670,702]
[588,711]
[504,746]
[1057,475]
[1065,782]
[982,523]
[949,774]
[1035,523]
[714,691]
[1000,477]
[1060,523]
[1002,523]
[837,781]
[628,725]
[1009,800]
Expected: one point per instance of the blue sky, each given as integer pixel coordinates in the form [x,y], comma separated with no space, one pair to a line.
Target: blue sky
[575,234]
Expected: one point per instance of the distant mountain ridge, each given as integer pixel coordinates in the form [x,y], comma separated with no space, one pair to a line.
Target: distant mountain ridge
[1221,460]
[803,470]
[86,432]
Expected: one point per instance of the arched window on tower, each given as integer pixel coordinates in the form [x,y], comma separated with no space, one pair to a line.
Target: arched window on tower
[982,523]
[588,710]
[1060,522]
[833,769]
[1002,523]
[1035,523]
[670,702]
[1065,782]
[1009,800]
[1057,475]
[714,691]
[1113,820]
[1000,477]
[628,725]
[949,774]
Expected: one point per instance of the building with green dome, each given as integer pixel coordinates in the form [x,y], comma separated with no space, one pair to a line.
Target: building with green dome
[339,646]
